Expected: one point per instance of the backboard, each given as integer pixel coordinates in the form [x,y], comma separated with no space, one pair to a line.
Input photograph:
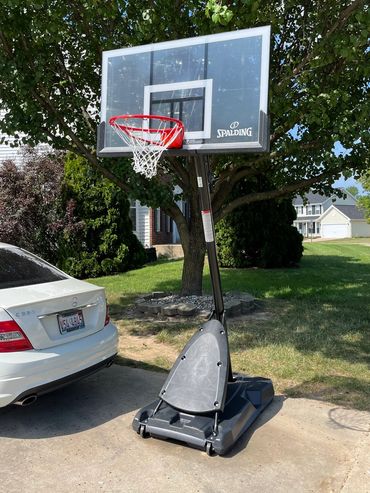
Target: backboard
[217,85]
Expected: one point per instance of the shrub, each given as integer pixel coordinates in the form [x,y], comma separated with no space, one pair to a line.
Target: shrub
[260,234]
[32,213]
[106,244]
[58,208]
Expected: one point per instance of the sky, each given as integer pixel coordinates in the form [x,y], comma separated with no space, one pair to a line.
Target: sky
[343,182]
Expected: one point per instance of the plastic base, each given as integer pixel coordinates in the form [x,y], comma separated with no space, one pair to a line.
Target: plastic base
[246,398]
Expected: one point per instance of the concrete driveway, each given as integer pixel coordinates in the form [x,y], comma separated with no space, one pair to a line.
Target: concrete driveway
[80,439]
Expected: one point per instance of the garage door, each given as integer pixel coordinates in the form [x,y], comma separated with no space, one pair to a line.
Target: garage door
[335,231]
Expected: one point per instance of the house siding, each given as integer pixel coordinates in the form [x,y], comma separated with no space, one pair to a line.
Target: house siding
[360,229]
[334,217]
[6,151]
[335,225]
[143,224]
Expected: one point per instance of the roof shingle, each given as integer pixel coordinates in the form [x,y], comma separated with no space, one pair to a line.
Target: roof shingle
[351,211]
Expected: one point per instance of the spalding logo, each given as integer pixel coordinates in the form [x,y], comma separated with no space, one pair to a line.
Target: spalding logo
[234,131]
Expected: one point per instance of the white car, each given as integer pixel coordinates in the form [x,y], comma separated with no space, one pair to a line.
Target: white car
[54,329]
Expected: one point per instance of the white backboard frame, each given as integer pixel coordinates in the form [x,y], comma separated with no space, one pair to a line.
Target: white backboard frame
[261,144]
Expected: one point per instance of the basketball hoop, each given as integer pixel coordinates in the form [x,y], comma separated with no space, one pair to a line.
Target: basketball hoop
[148,143]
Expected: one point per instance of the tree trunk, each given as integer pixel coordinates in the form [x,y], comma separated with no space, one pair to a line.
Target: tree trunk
[191,234]
[194,253]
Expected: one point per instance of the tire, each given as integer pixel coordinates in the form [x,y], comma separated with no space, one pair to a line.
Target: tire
[141,431]
[209,449]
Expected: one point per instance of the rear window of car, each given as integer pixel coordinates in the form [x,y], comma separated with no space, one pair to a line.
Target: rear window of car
[19,268]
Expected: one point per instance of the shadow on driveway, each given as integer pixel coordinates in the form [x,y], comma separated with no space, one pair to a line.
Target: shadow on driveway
[269,412]
[83,405]
[95,401]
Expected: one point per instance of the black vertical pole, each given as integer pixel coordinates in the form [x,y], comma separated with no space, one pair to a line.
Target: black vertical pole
[202,171]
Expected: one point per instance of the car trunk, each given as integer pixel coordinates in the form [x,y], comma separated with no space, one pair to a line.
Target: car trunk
[57,312]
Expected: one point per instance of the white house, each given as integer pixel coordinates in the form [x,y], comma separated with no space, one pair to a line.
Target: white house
[312,206]
[344,221]
[330,217]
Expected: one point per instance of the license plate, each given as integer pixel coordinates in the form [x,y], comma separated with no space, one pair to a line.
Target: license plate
[70,321]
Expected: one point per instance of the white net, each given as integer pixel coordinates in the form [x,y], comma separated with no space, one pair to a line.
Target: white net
[147,144]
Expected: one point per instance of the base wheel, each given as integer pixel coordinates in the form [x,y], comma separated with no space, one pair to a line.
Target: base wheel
[141,431]
[209,449]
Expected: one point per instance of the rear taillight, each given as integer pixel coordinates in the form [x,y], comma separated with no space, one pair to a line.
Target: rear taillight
[107,317]
[12,337]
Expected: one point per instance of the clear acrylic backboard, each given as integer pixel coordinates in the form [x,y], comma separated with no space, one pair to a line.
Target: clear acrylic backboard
[217,85]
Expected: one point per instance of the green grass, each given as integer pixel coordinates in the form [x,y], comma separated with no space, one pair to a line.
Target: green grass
[316,342]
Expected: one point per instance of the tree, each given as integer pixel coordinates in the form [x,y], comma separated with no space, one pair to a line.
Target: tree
[364,201]
[260,234]
[50,61]
[353,190]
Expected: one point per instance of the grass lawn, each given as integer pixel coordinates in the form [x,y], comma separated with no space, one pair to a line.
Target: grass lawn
[315,341]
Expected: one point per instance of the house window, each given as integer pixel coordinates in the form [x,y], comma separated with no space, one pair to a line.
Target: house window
[132,214]
[157,220]
[168,224]
[309,210]
[318,228]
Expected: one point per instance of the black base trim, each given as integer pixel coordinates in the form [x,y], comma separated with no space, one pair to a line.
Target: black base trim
[246,398]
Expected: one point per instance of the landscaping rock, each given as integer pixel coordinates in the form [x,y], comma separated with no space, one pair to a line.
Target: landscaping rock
[140,306]
[138,300]
[169,310]
[204,314]
[233,308]
[186,309]
[149,308]
[248,304]
[170,305]
[158,294]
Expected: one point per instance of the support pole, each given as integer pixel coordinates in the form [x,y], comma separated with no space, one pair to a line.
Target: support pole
[202,171]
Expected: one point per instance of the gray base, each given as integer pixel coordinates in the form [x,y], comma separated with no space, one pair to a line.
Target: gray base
[246,398]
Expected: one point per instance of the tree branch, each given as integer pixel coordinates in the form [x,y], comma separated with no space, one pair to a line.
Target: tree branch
[179,171]
[271,194]
[346,13]
[227,186]
[231,177]
[47,104]
[343,17]
[85,114]
[41,95]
